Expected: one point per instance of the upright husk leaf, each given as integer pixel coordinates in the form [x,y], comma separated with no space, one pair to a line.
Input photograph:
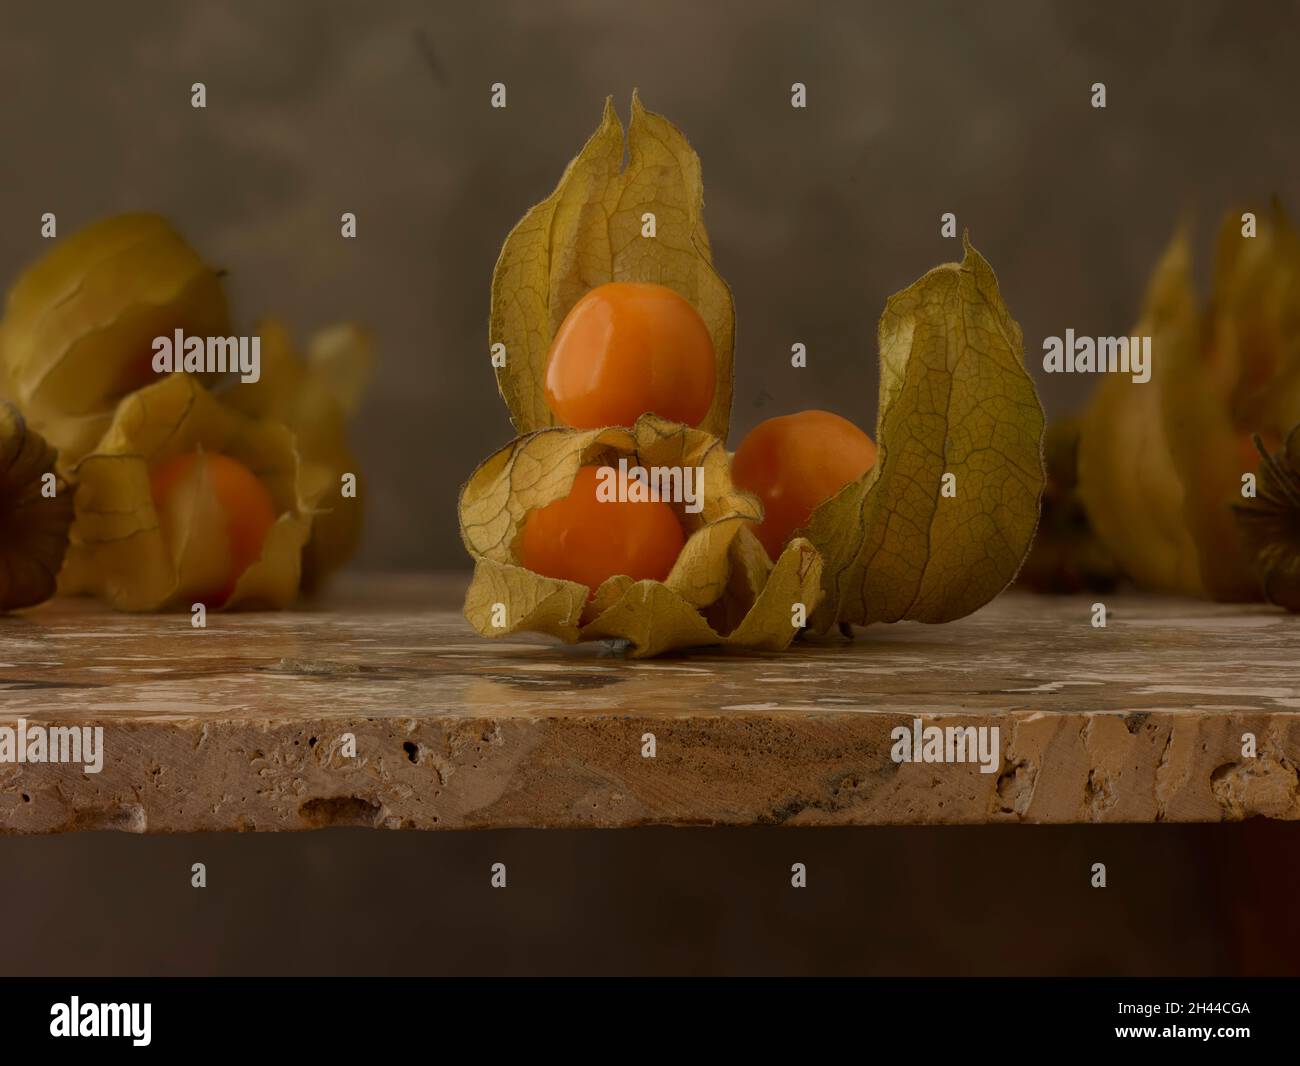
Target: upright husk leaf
[702,601]
[1270,523]
[954,399]
[1128,479]
[1161,463]
[588,232]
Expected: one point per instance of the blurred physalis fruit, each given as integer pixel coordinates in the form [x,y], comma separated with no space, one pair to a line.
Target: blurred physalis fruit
[626,349]
[215,515]
[35,512]
[80,322]
[172,506]
[794,462]
[582,538]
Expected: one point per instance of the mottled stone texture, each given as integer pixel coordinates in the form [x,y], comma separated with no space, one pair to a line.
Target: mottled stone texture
[242,726]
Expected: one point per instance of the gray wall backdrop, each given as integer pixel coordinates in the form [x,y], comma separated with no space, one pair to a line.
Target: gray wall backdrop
[816,216]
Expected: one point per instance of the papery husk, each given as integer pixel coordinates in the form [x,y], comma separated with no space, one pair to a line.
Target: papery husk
[33,526]
[652,616]
[588,232]
[79,324]
[1161,463]
[118,550]
[1270,523]
[954,398]
[313,398]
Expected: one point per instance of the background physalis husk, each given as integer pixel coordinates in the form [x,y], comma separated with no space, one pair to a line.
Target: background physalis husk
[1270,523]
[118,550]
[722,589]
[80,323]
[314,397]
[588,232]
[33,526]
[954,399]
[1161,463]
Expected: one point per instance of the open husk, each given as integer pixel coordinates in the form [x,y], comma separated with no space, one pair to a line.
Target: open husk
[588,232]
[718,578]
[936,529]
[118,549]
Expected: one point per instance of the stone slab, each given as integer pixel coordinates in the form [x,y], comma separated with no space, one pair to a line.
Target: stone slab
[242,726]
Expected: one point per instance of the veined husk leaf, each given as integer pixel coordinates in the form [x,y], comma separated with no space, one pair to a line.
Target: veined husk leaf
[33,525]
[588,232]
[954,399]
[79,324]
[118,549]
[313,397]
[1161,463]
[717,563]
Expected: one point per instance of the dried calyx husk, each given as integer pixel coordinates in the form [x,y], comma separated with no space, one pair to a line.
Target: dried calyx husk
[35,512]
[1161,463]
[1270,522]
[79,324]
[314,395]
[588,232]
[119,549]
[77,347]
[944,519]
[722,589]
[937,528]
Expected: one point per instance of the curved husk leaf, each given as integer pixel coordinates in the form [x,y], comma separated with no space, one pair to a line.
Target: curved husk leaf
[312,397]
[118,549]
[954,398]
[588,232]
[79,324]
[653,616]
[33,527]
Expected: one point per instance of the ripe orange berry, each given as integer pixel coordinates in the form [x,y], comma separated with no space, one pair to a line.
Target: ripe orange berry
[627,349]
[215,515]
[580,538]
[794,462]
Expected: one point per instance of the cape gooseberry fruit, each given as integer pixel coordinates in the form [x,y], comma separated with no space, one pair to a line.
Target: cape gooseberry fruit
[215,515]
[794,462]
[626,349]
[580,538]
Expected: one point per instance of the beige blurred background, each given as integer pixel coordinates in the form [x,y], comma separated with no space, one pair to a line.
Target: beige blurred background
[815,216]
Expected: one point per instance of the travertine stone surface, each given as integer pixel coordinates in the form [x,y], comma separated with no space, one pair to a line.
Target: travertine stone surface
[241,726]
